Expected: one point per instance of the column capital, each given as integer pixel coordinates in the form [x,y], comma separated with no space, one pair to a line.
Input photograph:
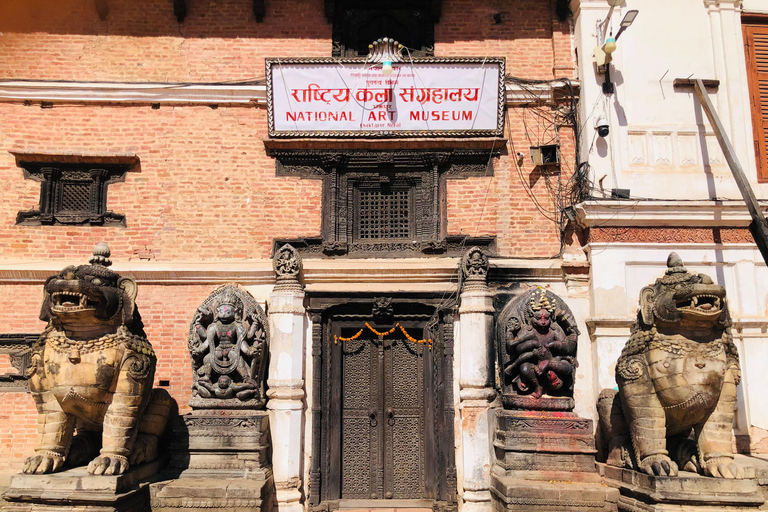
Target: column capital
[474,269]
[287,266]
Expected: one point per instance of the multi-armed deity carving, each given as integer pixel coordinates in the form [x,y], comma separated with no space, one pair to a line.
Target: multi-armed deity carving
[228,344]
[91,374]
[677,374]
[536,340]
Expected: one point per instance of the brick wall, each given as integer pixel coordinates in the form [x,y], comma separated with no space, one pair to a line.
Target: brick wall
[204,189]
[18,430]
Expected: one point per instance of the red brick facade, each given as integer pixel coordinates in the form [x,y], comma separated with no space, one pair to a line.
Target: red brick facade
[204,189]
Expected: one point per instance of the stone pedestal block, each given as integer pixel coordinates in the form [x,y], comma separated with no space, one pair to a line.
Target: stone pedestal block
[545,461]
[688,491]
[544,445]
[219,461]
[515,494]
[230,495]
[224,443]
[77,491]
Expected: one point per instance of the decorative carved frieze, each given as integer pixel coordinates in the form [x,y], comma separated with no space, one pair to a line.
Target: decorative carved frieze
[309,163]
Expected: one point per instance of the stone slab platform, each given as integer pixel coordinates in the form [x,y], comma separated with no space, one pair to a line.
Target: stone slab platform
[516,495]
[76,490]
[211,494]
[688,491]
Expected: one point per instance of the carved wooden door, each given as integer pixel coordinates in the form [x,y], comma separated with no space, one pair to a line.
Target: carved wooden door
[382,452]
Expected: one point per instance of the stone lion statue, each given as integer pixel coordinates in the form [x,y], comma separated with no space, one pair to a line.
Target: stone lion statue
[677,375]
[91,374]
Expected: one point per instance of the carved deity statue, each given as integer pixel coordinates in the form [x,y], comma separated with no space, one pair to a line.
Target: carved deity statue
[91,374]
[227,343]
[677,375]
[537,345]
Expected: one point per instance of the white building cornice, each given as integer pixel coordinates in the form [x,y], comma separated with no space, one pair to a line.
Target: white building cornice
[253,94]
[658,213]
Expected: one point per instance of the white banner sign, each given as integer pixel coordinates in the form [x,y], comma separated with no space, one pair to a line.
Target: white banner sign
[351,98]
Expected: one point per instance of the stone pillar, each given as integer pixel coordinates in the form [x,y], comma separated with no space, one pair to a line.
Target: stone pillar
[285,382]
[475,380]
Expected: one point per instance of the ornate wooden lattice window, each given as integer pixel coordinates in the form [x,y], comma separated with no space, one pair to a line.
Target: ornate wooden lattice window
[384,203]
[383,213]
[356,23]
[756,46]
[73,190]
[388,211]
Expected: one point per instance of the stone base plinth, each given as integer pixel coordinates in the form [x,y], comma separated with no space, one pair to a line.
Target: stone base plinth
[224,443]
[687,491]
[219,461]
[545,461]
[544,445]
[210,494]
[514,494]
[76,490]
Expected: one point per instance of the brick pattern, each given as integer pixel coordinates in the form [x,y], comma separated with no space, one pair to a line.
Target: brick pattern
[6,368]
[204,189]
[18,430]
[143,42]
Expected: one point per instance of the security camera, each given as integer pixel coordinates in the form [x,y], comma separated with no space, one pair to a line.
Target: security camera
[602,126]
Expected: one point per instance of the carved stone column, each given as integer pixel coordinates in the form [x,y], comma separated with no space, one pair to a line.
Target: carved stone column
[286,384]
[475,380]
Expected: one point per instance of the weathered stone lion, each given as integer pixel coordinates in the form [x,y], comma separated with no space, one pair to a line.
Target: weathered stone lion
[92,371]
[677,373]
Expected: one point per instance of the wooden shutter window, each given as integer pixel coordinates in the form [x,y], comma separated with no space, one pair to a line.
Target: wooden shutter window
[756,46]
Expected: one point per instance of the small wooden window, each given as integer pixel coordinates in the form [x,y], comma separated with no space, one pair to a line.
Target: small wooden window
[73,190]
[756,45]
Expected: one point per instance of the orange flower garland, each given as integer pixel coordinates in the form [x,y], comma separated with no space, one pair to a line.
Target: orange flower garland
[382,334]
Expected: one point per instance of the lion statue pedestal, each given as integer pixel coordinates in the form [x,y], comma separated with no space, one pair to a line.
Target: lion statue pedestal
[673,411]
[91,377]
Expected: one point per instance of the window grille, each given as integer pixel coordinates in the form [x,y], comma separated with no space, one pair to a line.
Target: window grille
[384,214]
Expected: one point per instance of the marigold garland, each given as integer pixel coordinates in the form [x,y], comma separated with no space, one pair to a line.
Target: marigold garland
[382,334]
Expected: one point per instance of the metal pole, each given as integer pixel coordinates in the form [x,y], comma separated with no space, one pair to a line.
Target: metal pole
[759,226]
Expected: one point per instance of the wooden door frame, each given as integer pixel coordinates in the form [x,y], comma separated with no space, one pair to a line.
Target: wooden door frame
[440,466]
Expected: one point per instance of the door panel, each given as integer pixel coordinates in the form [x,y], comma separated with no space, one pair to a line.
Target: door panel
[405,420]
[382,423]
[360,438]
[382,427]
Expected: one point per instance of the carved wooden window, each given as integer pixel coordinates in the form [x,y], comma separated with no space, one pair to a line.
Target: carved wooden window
[357,23]
[384,213]
[756,45]
[72,193]
[383,210]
